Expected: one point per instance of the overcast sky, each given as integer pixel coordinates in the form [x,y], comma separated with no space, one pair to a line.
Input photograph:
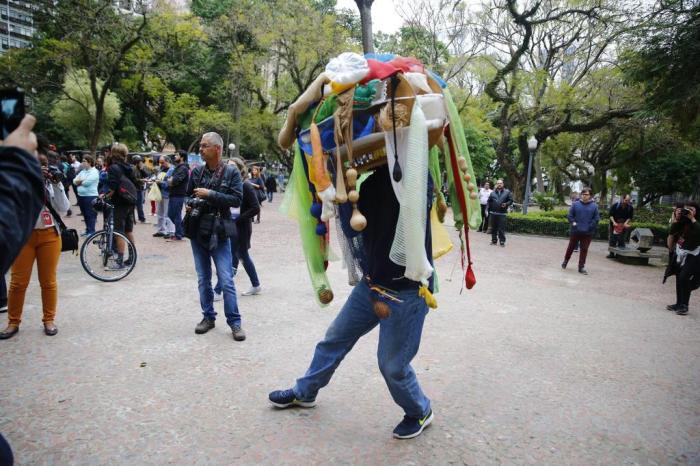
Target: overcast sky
[384,17]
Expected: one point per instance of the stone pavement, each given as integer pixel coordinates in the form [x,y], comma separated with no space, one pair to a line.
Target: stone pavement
[535,365]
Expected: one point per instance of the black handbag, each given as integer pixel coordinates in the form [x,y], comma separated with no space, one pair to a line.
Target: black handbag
[69,236]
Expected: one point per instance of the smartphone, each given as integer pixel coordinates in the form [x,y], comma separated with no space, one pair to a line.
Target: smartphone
[11,110]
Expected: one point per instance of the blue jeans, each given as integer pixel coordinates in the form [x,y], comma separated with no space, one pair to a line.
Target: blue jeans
[175,214]
[399,339]
[89,213]
[247,265]
[139,205]
[222,260]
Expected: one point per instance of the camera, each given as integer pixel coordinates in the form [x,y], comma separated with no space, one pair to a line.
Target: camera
[54,174]
[11,110]
[196,206]
[685,212]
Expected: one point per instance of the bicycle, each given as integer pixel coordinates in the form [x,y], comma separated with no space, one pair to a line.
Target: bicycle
[98,254]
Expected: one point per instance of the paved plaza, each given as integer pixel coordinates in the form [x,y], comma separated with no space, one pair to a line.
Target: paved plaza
[535,365]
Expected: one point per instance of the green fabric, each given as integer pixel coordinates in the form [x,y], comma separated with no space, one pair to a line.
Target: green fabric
[328,106]
[297,204]
[364,94]
[457,130]
[452,191]
[434,165]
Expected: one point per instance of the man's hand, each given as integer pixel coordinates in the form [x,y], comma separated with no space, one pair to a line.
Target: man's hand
[201,193]
[23,137]
[691,214]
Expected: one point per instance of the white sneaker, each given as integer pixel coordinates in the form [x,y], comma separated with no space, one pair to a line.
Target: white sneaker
[218,296]
[253,290]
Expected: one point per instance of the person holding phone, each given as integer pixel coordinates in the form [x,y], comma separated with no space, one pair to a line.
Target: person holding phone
[44,248]
[685,257]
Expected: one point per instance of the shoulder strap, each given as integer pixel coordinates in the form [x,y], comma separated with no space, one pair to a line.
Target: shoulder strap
[54,213]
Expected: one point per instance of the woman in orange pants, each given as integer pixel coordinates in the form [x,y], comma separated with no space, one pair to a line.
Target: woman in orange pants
[44,247]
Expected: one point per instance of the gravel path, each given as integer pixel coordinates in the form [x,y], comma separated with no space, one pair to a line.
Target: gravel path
[535,365]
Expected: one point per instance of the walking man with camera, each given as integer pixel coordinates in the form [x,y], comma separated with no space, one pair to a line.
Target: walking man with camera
[214,188]
[177,185]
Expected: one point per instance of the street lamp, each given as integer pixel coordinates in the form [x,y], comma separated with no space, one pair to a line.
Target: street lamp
[532,147]
[231,148]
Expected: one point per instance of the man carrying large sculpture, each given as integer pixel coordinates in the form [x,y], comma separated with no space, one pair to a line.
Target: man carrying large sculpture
[397,110]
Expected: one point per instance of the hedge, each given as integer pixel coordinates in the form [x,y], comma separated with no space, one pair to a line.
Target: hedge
[541,223]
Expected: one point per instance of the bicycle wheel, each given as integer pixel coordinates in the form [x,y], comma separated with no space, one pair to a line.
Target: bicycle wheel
[100,260]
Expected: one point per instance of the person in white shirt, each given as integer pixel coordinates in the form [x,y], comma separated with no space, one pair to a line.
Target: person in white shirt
[87,181]
[484,193]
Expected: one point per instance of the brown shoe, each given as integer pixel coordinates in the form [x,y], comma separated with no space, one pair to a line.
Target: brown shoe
[50,329]
[9,332]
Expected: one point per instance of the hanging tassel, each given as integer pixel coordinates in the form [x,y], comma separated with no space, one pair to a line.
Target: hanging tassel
[397,169]
[425,293]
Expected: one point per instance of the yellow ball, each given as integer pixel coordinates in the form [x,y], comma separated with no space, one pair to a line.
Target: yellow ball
[353,196]
[467,177]
[473,195]
[471,187]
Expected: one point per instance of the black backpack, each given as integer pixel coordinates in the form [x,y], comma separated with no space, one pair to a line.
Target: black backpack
[127,190]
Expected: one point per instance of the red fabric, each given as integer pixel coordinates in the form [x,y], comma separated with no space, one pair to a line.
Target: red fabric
[408,64]
[469,277]
[379,70]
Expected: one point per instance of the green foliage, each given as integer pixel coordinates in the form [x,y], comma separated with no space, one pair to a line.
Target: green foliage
[664,61]
[558,226]
[545,202]
[75,110]
[674,171]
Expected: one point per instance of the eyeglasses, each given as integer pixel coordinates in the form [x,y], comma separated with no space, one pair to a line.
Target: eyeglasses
[205,146]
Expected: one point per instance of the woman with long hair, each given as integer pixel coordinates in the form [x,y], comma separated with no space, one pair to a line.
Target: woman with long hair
[44,248]
[684,262]
[258,183]
[250,207]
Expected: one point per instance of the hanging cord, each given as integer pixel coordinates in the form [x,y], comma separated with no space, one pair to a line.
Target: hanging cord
[469,279]
[397,169]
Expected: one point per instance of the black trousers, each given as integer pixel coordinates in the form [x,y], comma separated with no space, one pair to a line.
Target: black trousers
[687,279]
[498,228]
[484,219]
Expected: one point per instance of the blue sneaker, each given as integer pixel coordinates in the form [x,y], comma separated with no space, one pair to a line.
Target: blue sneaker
[286,398]
[412,426]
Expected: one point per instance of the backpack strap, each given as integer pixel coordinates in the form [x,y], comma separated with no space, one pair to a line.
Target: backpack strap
[55,215]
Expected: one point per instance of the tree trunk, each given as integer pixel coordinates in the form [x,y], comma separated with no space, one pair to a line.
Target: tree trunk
[538,173]
[603,186]
[365,7]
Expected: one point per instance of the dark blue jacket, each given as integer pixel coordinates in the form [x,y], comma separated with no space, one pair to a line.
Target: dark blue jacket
[586,217]
[21,198]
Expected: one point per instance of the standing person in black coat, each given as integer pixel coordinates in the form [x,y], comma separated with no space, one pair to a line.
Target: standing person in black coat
[499,201]
[271,187]
[250,207]
[177,187]
[258,183]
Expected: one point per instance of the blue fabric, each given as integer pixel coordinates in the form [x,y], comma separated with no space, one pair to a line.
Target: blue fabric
[3,290]
[163,185]
[21,200]
[383,57]
[362,125]
[90,178]
[243,255]
[139,204]
[175,214]
[586,217]
[221,256]
[399,339]
[89,214]
[440,81]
